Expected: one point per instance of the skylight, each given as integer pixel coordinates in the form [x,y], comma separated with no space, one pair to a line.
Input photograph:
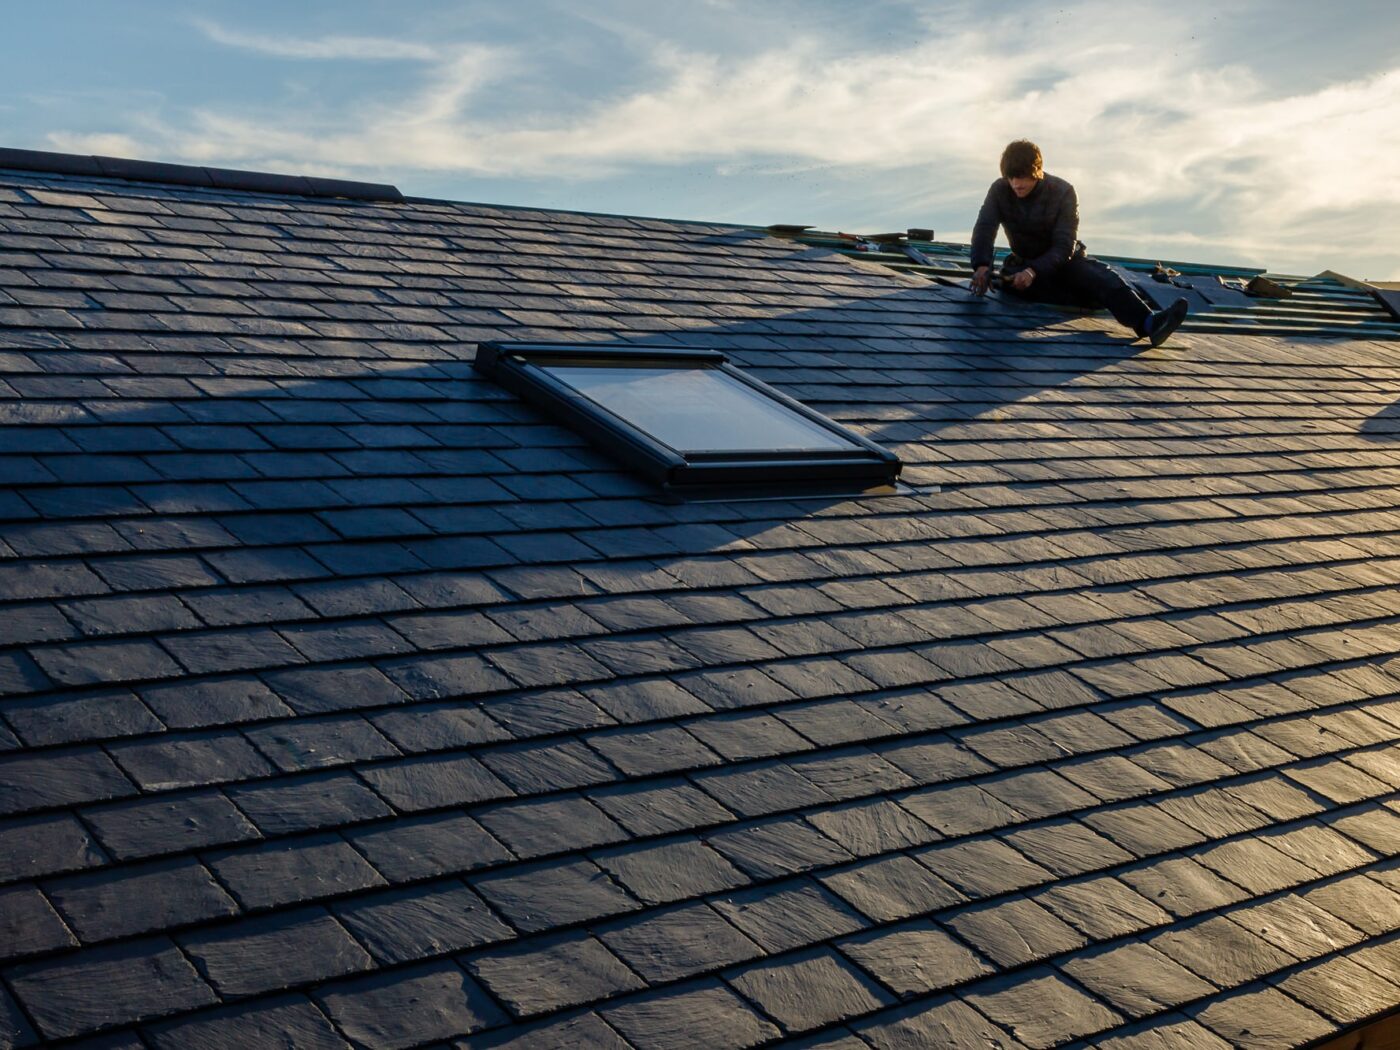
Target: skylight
[688,420]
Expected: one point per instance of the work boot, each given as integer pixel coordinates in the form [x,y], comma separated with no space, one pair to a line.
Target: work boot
[1163,323]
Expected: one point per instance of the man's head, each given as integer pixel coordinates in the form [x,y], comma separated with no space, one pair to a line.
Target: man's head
[1021,166]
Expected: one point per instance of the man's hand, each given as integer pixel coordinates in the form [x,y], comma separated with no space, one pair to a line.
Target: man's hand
[1023,280]
[981,280]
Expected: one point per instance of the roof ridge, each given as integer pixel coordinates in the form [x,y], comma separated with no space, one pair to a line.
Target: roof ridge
[193,175]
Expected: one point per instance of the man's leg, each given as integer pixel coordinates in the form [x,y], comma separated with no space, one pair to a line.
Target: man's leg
[1098,283]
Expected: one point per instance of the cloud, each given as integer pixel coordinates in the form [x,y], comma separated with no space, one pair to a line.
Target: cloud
[1164,145]
[359,48]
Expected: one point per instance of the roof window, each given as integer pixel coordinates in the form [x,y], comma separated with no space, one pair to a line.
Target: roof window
[689,421]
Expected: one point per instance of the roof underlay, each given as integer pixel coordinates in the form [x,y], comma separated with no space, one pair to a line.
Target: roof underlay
[344,698]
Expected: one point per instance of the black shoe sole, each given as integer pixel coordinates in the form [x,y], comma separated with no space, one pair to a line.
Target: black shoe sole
[1176,313]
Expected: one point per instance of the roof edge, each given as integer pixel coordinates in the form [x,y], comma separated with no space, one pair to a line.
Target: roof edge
[192,175]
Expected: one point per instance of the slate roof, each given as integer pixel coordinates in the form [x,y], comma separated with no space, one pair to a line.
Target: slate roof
[346,699]
[1324,304]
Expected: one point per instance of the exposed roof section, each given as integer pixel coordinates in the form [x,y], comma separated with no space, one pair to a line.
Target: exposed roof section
[344,698]
[1325,304]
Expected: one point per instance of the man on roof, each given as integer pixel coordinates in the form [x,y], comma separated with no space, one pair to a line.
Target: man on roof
[1048,264]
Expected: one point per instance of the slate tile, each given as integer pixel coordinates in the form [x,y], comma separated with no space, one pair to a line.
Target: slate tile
[289,1021]
[35,622]
[545,712]
[982,867]
[267,954]
[701,1015]
[541,975]
[168,824]
[29,925]
[403,925]
[665,872]
[787,915]
[31,846]
[1300,928]
[650,750]
[292,870]
[452,629]
[189,760]
[585,1031]
[1342,990]
[1255,865]
[763,788]
[553,766]
[445,677]
[833,722]
[1136,980]
[1067,848]
[147,898]
[1254,1019]
[220,652]
[872,826]
[775,848]
[59,778]
[1111,778]
[943,1021]
[404,1008]
[434,781]
[359,597]
[810,990]
[1166,1032]
[659,807]
[914,959]
[68,720]
[95,663]
[733,688]
[1037,793]
[1146,829]
[888,889]
[678,942]
[190,704]
[266,565]
[1219,950]
[319,690]
[1041,1008]
[1363,902]
[286,805]
[553,893]
[535,827]
[419,847]
[1015,931]
[245,605]
[547,665]
[74,994]
[312,743]
[958,809]
[130,615]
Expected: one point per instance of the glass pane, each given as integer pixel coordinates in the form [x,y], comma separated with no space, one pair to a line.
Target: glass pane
[697,409]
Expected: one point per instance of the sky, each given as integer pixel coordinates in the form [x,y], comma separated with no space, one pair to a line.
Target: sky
[1246,133]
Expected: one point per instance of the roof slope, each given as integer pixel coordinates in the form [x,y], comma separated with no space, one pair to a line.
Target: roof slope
[345,698]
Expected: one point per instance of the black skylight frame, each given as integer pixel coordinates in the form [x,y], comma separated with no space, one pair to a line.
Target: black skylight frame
[861,466]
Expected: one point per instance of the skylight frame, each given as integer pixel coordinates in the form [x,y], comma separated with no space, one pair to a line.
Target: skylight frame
[861,466]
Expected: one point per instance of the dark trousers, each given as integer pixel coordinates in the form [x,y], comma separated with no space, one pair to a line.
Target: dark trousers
[1085,282]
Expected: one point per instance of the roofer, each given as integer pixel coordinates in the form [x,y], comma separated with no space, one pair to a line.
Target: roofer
[1048,264]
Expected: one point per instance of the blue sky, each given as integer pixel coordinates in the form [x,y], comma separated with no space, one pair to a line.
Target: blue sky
[1251,133]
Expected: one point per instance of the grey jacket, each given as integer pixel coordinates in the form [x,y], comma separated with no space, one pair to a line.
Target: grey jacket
[1043,227]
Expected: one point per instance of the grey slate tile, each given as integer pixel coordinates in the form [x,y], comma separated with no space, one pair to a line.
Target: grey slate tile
[944,1021]
[431,782]
[982,867]
[891,888]
[1253,1019]
[1341,990]
[56,719]
[58,778]
[669,871]
[417,847]
[212,702]
[74,994]
[1015,931]
[585,1031]
[541,975]
[29,925]
[312,743]
[551,766]
[286,1021]
[1361,901]
[1041,1008]
[540,896]
[189,760]
[292,870]
[403,1008]
[785,915]
[269,954]
[1136,980]
[777,847]
[320,690]
[678,942]
[1219,950]
[146,898]
[95,663]
[168,824]
[1182,886]
[705,1014]
[285,805]
[658,807]
[809,990]
[914,959]
[403,925]
[446,677]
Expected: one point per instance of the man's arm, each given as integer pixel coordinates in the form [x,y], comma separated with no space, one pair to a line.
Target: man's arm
[1062,238]
[984,231]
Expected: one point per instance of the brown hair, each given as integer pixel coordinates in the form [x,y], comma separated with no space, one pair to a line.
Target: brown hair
[1021,159]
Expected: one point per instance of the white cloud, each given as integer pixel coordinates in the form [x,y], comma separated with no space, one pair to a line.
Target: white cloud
[360,48]
[1161,144]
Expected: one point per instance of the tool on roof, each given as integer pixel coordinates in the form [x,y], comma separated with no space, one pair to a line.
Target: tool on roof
[1267,288]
